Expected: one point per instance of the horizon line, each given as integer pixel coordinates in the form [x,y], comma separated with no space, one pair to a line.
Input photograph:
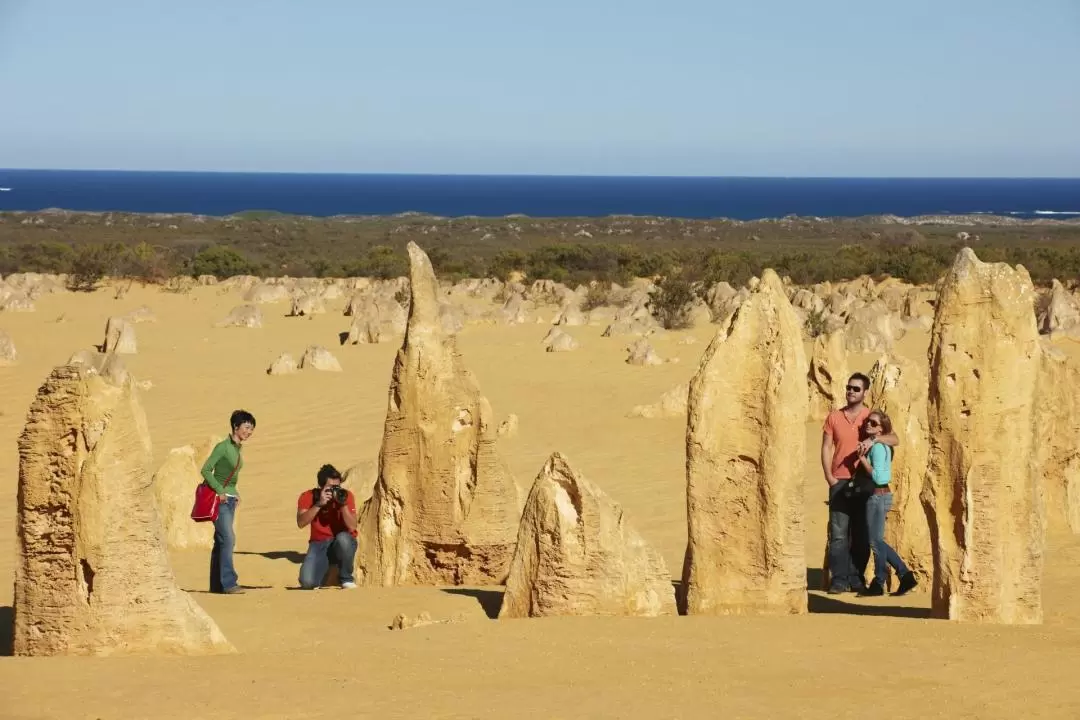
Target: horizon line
[542,175]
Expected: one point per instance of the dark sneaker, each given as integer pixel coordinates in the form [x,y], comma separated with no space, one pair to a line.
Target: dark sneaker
[874,590]
[838,589]
[234,590]
[907,582]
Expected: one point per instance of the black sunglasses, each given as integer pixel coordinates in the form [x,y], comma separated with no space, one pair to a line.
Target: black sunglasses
[854,388]
[873,423]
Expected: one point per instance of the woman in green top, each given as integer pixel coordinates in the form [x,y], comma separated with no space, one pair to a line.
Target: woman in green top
[221,471]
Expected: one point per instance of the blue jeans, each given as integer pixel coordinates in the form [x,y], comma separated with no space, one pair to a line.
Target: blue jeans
[877,506]
[849,551]
[222,572]
[341,549]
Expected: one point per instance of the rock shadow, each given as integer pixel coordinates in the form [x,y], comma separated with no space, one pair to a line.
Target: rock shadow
[490,600]
[291,555]
[831,604]
[7,631]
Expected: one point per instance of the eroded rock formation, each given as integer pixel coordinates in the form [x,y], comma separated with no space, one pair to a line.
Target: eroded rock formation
[671,404]
[284,364]
[92,574]
[983,492]
[8,353]
[174,490]
[247,316]
[899,389]
[578,555]
[119,337]
[1057,433]
[317,357]
[444,509]
[828,374]
[558,341]
[745,446]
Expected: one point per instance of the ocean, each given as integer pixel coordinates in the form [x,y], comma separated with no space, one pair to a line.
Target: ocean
[744,198]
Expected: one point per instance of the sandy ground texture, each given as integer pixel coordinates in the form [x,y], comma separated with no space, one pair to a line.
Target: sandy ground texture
[330,653]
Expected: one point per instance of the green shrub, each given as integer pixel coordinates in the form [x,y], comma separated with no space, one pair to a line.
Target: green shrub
[221,262]
[670,302]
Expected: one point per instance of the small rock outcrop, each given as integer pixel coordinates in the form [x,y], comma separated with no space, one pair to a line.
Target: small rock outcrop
[141,314]
[317,357]
[1057,429]
[828,374]
[1062,313]
[671,404]
[445,508]
[284,364]
[92,573]
[174,489]
[509,427]
[558,341]
[247,316]
[745,452]
[8,354]
[983,487]
[119,337]
[578,555]
[641,353]
[306,306]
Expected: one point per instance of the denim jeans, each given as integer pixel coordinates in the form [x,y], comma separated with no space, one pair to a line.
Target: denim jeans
[340,549]
[877,506]
[222,572]
[849,550]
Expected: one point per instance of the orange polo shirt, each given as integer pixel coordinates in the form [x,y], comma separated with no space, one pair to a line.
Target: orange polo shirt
[845,436]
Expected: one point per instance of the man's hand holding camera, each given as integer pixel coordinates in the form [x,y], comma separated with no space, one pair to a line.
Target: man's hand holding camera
[333,498]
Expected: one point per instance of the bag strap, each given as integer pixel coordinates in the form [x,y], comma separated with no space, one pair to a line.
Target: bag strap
[232,472]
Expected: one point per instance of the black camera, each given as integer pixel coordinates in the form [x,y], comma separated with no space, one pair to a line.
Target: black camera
[339,494]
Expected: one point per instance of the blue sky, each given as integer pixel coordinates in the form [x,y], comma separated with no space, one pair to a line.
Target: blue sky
[682,87]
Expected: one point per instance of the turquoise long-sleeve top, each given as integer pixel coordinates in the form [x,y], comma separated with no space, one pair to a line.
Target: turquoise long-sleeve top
[219,466]
[881,460]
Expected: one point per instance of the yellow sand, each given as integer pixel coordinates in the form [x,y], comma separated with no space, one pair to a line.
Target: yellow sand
[329,653]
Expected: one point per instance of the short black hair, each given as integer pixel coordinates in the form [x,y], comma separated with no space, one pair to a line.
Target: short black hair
[863,380]
[326,472]
[239,417]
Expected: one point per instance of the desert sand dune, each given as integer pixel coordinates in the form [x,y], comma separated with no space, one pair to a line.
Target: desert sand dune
[848,657]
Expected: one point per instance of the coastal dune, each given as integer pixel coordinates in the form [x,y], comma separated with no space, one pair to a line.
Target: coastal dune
[307,654]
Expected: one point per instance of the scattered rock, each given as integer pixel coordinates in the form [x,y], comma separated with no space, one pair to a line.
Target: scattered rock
[508,428]
[141,314]
[558,341]
[247,316]
[119,337]
[671,404]
[285,364]
[8,354]
[642,353]
[306,306]
[578,555]
[174,490]
[317,357]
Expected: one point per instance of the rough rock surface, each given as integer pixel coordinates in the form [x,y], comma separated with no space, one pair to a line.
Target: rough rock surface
[1057,433]
[1062,313]
[284,364]
[828,374]
[317,357]
[578,555]
[983,487]
[509,427]
[745,447]
[247,316]
[174,491]
[8,354]
[445,508]
[671,404]
[92,573]
[872,328]
[899,388]
[119,337]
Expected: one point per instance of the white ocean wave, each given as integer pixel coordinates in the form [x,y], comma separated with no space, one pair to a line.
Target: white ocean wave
[1057,212]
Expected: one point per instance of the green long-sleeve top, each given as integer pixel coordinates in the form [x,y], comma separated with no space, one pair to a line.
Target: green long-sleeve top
[219,466]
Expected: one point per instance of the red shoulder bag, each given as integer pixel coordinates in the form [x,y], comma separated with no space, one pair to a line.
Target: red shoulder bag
[206,504]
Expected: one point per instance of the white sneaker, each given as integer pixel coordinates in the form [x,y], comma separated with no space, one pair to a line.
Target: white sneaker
[348,586]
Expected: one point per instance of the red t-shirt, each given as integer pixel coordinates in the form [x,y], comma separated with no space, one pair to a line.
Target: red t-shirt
[328,523]
[845,437]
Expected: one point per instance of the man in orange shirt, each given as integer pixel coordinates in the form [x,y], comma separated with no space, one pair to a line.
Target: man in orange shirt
[842,442]
[330,511]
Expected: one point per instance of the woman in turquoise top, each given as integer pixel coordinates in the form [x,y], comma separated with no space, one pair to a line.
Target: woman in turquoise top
[221,471]
[877,463]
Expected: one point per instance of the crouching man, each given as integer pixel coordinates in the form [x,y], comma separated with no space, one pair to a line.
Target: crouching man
[330,511]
